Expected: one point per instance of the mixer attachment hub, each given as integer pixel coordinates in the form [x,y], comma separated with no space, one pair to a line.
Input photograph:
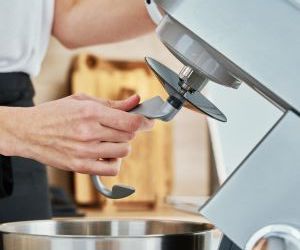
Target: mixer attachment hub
[183,89]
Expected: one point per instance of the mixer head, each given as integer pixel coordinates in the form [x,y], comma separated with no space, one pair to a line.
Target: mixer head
[184,89]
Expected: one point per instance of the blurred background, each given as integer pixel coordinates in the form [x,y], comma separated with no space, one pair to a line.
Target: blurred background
[166,166]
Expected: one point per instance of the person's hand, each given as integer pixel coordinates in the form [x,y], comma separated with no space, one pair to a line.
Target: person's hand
[76,133]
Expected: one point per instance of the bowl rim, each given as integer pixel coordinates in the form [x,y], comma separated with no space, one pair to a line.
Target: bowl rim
[5,230]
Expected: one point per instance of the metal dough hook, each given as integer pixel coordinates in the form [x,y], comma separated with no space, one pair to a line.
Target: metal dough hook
[117,192]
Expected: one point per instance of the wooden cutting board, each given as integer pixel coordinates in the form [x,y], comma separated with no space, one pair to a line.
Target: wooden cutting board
[149,167]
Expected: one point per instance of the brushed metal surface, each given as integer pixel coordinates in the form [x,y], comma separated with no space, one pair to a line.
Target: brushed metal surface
[258,41]
[189,49]
[264,190]
[105,235]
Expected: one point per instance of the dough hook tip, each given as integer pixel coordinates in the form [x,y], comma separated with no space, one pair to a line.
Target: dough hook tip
[122,191]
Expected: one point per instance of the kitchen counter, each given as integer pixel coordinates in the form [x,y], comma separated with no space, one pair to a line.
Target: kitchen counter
[163,212]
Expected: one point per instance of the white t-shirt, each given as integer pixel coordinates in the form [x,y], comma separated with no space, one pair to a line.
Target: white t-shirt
[25,29]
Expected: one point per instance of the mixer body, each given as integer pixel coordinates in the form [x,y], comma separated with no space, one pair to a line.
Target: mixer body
[256,43]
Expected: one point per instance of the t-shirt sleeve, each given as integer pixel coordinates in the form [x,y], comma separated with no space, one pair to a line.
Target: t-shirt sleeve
[6,177]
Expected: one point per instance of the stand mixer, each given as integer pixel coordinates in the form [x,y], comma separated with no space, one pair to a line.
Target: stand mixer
[232,42]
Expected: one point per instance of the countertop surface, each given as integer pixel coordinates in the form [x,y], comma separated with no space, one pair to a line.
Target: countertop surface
[162,212]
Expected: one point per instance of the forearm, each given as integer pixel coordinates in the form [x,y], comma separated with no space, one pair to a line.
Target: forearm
[90,22]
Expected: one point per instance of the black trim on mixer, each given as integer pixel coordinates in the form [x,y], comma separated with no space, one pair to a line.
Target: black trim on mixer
[175,102]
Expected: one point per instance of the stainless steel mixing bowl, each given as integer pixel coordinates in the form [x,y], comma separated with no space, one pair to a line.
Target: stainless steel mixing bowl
[105,235]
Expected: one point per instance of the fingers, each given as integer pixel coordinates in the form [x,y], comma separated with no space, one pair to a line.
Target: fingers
[103,150]
[109,167]
[108,150]
[124,121]
[113,135]
[147,126]
[113,113]
[93,131]
[126,104]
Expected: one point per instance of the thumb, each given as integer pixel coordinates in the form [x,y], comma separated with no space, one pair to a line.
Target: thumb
[126,104]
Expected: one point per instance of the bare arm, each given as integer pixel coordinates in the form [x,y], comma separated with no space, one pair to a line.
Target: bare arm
[80,23]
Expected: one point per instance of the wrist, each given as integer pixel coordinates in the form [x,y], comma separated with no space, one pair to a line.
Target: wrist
[12,131]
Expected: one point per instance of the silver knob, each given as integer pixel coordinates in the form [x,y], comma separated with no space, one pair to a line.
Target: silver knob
[275,237]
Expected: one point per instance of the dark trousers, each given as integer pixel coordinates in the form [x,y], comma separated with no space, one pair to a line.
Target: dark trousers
[23,182]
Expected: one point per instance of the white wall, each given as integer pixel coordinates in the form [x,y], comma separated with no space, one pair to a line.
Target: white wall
[190,136]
